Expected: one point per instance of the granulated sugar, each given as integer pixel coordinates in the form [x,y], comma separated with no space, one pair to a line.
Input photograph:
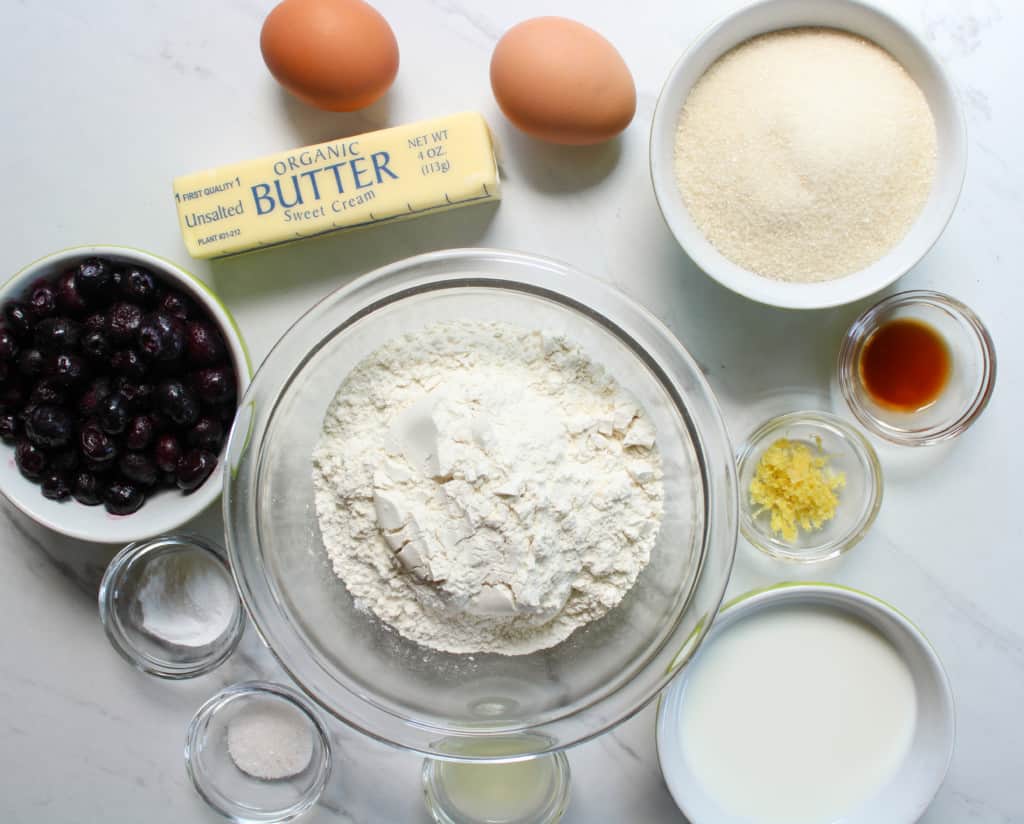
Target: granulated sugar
[271,741]
[805,154]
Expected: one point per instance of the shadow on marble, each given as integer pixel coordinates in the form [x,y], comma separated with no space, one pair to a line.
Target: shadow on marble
[84,562]
[342,257]
[554,169]
[312,125]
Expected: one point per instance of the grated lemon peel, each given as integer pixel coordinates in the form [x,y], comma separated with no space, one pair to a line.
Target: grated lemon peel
[796,486]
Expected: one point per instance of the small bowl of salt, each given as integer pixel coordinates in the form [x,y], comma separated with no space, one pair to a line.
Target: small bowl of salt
[258,752]
[170,607]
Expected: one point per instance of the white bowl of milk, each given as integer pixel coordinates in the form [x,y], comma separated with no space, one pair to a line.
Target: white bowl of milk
[808,704]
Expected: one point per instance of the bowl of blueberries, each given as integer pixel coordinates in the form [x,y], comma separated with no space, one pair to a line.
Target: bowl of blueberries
[120,375]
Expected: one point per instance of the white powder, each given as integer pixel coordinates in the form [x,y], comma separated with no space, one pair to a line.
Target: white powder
[187,598]
[270,742]
[805,154]
[484,488]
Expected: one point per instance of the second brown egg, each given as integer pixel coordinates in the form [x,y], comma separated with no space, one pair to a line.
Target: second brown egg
[561,81]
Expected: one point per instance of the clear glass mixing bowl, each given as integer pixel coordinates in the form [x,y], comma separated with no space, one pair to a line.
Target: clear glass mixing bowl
[438,703]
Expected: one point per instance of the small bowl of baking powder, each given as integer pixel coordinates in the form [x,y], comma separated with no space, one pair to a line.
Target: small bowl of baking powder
[258,752]
[169,606]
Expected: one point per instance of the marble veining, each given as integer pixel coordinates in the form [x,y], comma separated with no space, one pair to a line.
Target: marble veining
[106,103]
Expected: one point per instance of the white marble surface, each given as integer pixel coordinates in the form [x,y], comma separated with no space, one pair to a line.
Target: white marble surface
[105,102]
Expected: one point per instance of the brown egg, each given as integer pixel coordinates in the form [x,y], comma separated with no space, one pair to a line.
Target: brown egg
[560,81]
[338,55]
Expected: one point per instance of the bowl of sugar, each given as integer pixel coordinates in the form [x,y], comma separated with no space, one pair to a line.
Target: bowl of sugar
[809,702]
[807,153]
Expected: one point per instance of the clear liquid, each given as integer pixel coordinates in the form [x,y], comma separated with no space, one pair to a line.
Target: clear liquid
[497,793]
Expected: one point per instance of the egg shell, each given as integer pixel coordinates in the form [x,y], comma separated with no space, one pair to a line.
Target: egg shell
[561,81]
[339,55]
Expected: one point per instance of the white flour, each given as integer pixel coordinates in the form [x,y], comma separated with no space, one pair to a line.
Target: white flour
[484,488]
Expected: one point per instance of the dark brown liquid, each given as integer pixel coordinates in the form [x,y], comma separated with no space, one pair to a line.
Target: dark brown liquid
[905,365]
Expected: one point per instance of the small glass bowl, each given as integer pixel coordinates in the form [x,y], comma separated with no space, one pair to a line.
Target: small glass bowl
[235,794]
[859,500]
[538,786]
[150,644]
[969,386]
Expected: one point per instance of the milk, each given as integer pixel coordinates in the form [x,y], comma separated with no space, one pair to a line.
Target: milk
[797,715]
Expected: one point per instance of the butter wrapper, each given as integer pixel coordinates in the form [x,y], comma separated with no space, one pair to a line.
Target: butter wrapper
[377,177]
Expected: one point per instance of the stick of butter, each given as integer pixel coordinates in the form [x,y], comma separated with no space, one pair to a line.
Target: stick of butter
[372,178]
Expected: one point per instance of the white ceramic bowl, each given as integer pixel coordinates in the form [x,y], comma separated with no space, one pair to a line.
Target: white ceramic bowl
[859,18]
[909,792]
[168,509]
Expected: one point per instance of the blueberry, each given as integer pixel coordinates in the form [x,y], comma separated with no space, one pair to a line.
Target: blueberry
[87,488]
[177,402]
[48,391]
[12,395]
[167,452]
[30,362]
[113,414]
[54,334]
[10,428]
[123,320]
[19,319]
[95,280]
[161,336]
[64,461]
[139,285]
[69,300]
[123,498]
[66,369]
[130,364]
[95,323]
[203,344]
[98,448]
[97,467]
[5,371]
[166,370]
[214,385]
[96,346]
[138,468]
[139,432]
[43,300]
[49,426]
[138,396]
[91,399]
[194,467]
[8,345]
[176,304]
[31,460]
[208,434]
[161,423]
[55,487]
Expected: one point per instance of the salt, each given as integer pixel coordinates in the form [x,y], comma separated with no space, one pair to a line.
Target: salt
[270,742]
[186,598]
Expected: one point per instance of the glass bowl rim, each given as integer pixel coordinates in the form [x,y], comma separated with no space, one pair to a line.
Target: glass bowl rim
[866,456]
[241,691]
[220,650]
[448,269]
[862,328]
